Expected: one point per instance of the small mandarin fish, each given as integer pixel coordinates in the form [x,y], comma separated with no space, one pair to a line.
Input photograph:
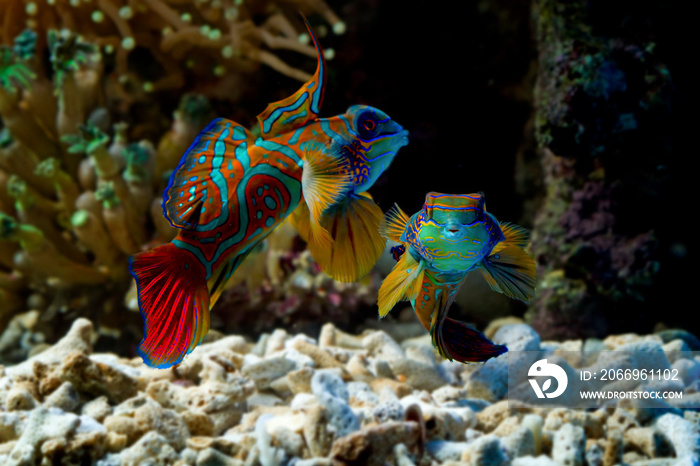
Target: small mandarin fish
[438,247]
[231,189]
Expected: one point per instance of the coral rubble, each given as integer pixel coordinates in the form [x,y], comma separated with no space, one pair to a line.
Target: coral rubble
[341,399]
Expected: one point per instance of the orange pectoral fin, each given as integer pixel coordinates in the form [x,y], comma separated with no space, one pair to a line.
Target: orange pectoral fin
[353,225]
[323,184]
[515,235]
[174,303]
[426,301]
[300,220]
[511,271]
[402,284]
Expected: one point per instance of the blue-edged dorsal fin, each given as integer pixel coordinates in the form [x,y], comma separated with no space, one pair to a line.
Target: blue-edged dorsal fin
[301,107]
[199,189]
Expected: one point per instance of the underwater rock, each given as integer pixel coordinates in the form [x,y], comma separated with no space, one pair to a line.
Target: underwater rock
[64,397]
[331,393]
[486,450]
[647,441]
[569,445]
[443,450]
[602,102]
[151,447]
[77,340]
[383,347]
[44,424]
[418,375]
[490,381]
[522,442]
[372,445]
[683,435]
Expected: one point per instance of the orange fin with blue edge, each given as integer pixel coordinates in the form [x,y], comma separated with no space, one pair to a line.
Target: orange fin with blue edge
[301,107]
[174,303]
[353,224]
[511,271]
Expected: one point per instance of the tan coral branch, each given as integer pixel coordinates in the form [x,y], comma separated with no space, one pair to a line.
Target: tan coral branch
[165,12]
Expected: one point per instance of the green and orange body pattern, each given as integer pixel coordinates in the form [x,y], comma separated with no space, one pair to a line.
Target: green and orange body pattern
[232,189]
[438,246]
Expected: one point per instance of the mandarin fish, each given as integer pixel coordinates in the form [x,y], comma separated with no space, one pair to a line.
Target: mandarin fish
[438,247]
[231,189]
[344,238]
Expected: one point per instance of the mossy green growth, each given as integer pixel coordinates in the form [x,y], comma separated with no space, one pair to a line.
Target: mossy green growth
[5,138]
[25,45]
[28,236]
[48,168]
[195,109]
[79,218]
[68,54]
[107,195]
[90,139]
[137,159]
[8,225]
[13,73]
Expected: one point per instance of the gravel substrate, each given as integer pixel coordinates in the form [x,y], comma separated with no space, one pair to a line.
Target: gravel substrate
[344,399]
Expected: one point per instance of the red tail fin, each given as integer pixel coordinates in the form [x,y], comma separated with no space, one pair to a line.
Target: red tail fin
[464,343]
[174,303]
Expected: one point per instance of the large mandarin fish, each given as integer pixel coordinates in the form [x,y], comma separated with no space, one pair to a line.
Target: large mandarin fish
[231,189]
[438,247]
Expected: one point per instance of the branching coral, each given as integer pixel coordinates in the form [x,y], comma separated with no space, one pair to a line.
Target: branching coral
[74,201]
[205,38]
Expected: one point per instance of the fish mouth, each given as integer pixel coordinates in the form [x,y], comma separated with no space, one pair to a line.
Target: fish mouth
[453,232]
[402,137]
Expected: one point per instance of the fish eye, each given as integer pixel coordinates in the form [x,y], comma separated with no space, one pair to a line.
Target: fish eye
[367,125]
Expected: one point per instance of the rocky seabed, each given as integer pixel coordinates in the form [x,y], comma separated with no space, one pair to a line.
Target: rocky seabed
[342,399]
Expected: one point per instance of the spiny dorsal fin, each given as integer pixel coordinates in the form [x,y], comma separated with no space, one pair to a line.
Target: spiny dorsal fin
[394,224]
[299,108]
